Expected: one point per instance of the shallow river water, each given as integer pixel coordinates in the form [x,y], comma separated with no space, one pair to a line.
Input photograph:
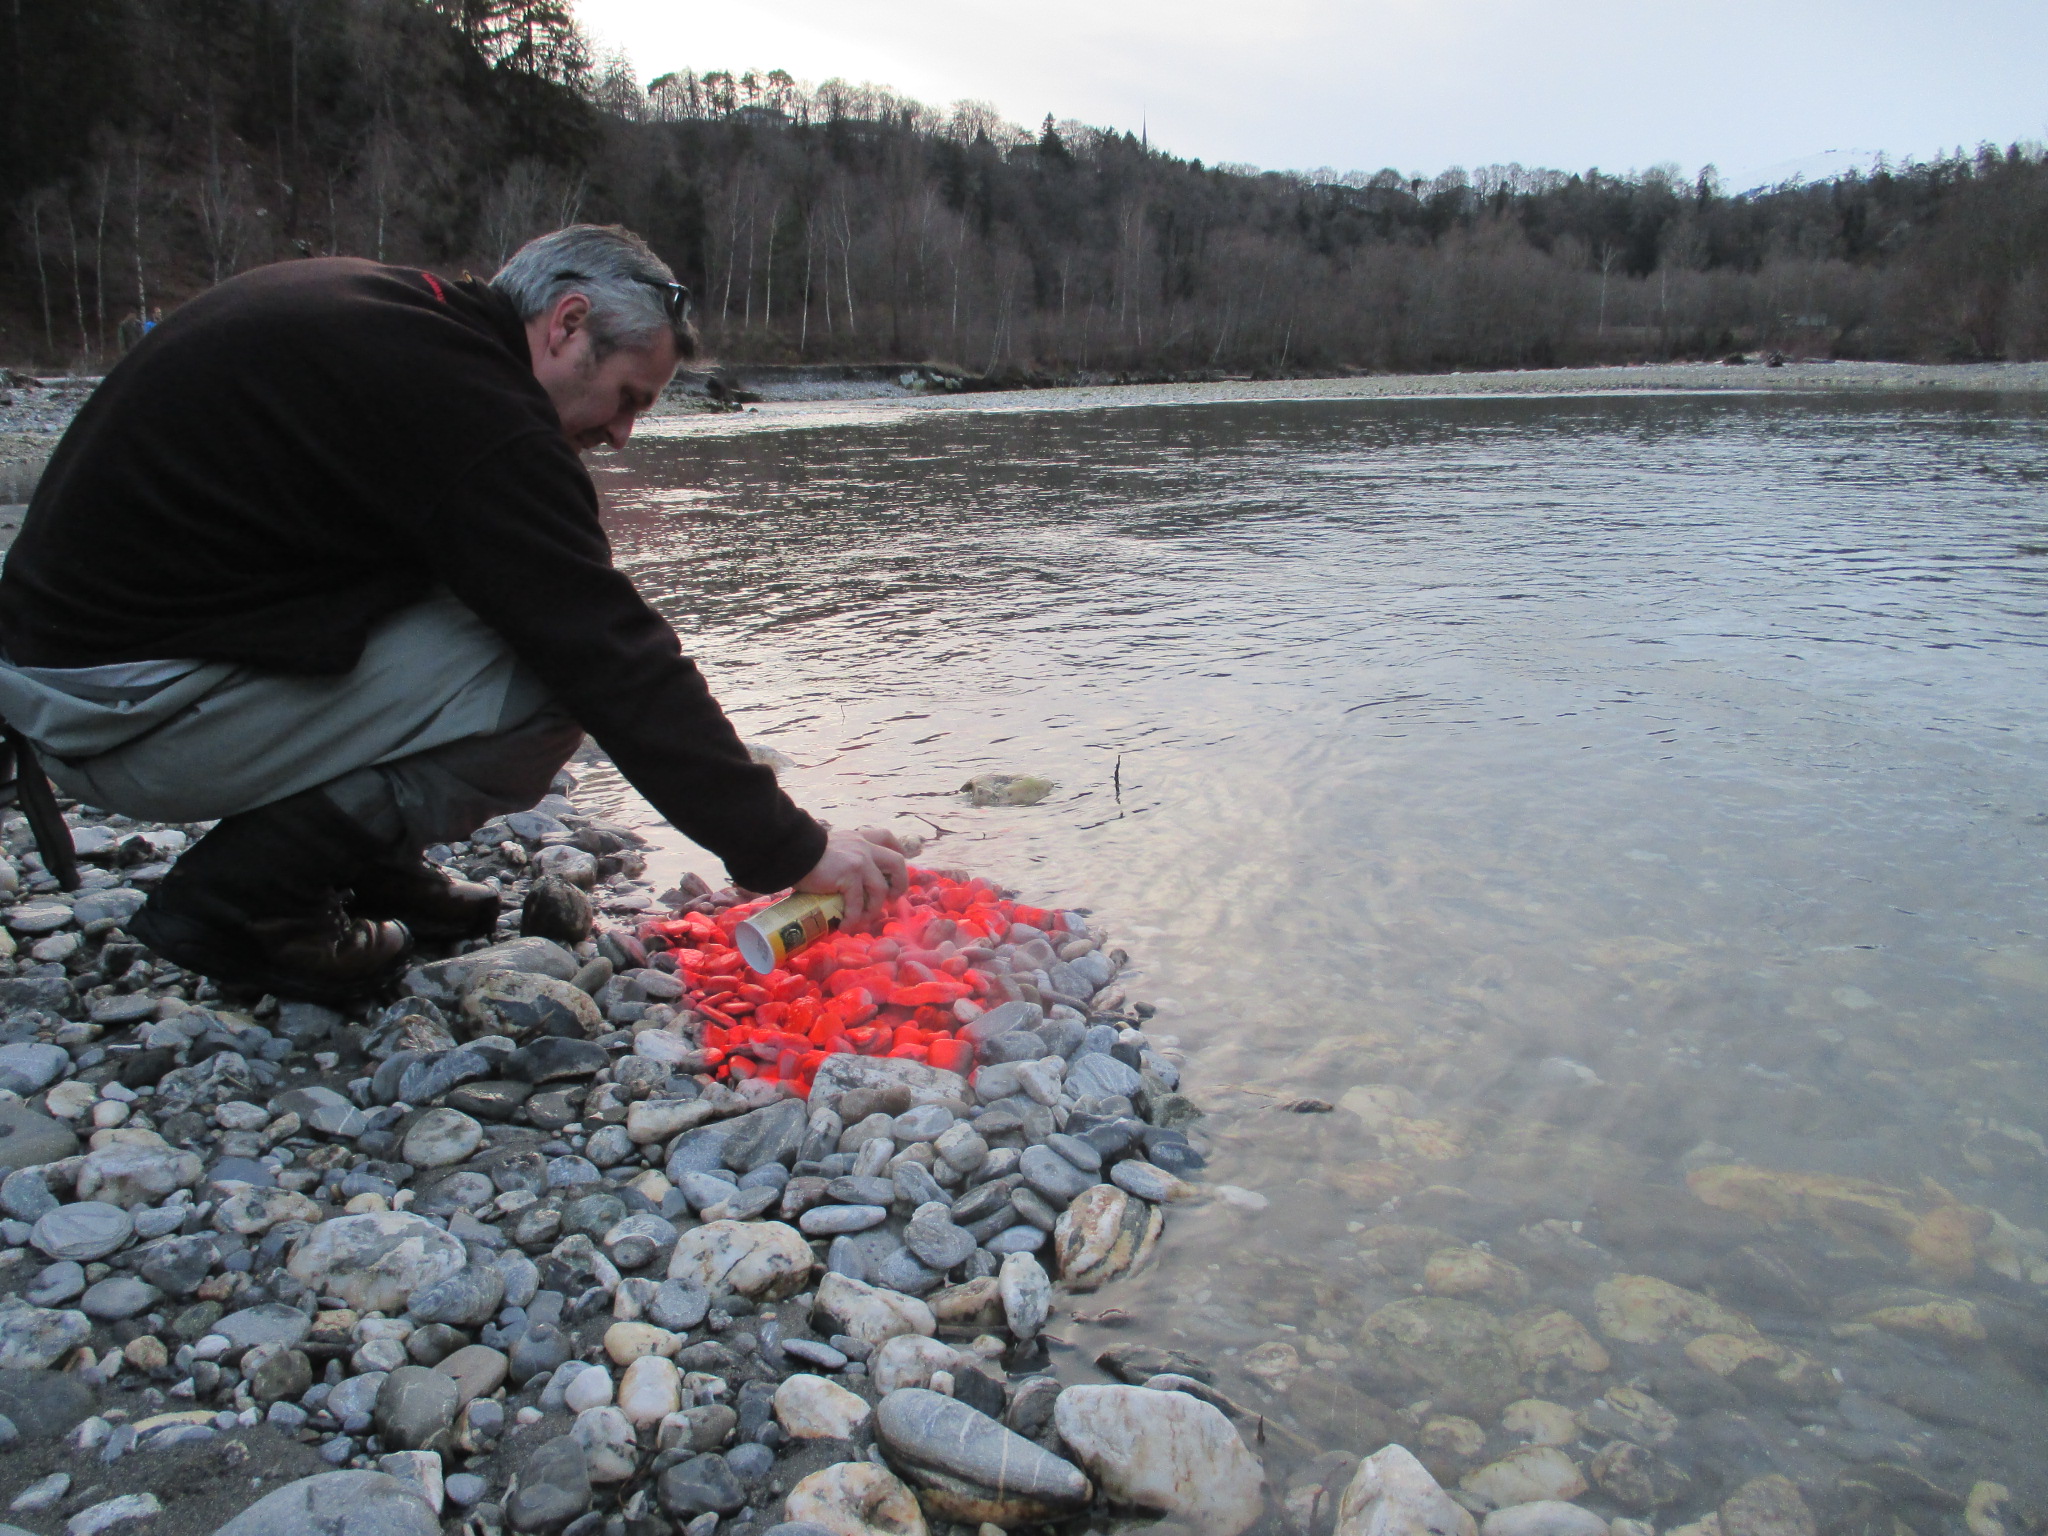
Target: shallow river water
[1628,813]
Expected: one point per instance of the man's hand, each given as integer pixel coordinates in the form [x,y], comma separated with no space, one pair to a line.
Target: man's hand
[865,867]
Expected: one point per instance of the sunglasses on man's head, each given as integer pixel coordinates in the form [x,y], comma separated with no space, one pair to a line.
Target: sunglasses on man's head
[675,298]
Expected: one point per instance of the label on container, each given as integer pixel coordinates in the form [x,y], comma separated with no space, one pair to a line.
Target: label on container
[775,933]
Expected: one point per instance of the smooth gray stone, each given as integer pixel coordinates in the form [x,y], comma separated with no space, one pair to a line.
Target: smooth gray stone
[554,1487]
[705,1189]
[1031,1205]
[699,1151]
[1099,1076]
[426,1080]
[746,1204]
[553,1058]
[1076,1151]
[270,1323]
[938,1243]
[464,1190]
[177,1265]
[921,1122]
[414,1408]
[119,1297]
[679,1304]
[701,1485]
[43,1404]
[118,902]
[338,1504]
[29,1139]
[538,1351]
[852,1189]
[901,1271]
[469,1298]
[983,1201]
[85,1230]
[322,1110]
[1058,1180]
[570,1171]
[1001,1020]
[56,1284]
[24,1195]
[1097,1040]
[835,1220]
[1022,1238]
[915,1186]
[811,1352]
[37,1337]
[29,1065]
[936,1437]
[770,1135]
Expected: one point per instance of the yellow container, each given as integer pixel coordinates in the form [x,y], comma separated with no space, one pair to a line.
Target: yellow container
[775,933]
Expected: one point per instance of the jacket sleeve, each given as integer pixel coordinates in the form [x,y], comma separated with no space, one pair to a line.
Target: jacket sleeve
[518,539]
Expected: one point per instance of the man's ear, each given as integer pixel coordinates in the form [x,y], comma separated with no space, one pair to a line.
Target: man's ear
[571,317]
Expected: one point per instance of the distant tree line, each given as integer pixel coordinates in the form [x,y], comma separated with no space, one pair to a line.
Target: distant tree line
[155,146]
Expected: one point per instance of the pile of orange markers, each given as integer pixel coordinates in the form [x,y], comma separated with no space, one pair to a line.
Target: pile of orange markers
[903,991]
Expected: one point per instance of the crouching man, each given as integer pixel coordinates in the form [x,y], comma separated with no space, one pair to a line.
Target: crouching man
[320,559]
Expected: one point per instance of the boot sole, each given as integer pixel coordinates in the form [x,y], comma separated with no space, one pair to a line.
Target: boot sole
[193,949]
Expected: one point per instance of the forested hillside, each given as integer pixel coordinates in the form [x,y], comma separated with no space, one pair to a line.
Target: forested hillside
[155,146]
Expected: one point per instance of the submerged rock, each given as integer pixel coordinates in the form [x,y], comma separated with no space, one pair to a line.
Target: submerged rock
[1453,1352]
[1394,1495]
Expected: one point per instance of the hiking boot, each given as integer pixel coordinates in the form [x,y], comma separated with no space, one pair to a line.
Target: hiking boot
[258,903]
[436,907]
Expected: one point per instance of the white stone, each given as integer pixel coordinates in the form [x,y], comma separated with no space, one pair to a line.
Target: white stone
[421,1469]
[70,1101]
[1164,1451]
[128,1509]
[762,1260]
[592,1388]
[856,1498]
[440,1138]
[1394,1495]
[869,1313]
[908,1360]
[129,1173]
[374,1262]
[652,1120]
[1026,1291]
[1544,1517]
[651,1390]
[610,1453]
[812,1408]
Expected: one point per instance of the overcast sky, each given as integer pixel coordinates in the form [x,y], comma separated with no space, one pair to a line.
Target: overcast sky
[1759,88]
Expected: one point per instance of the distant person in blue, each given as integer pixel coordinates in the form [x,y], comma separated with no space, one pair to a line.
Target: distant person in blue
[156,318]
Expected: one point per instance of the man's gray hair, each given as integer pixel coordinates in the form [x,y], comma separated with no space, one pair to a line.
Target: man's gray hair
[632,293]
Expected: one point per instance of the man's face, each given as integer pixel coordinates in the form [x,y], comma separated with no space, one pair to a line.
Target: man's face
[597,399]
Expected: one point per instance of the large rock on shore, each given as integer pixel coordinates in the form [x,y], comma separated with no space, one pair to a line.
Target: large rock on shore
[338,1504]
[970,1467]
[375,1261]
[1164,1451]
[762,1260]
[842,1073]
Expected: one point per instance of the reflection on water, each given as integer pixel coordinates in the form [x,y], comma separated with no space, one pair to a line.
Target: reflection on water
[1629,813]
